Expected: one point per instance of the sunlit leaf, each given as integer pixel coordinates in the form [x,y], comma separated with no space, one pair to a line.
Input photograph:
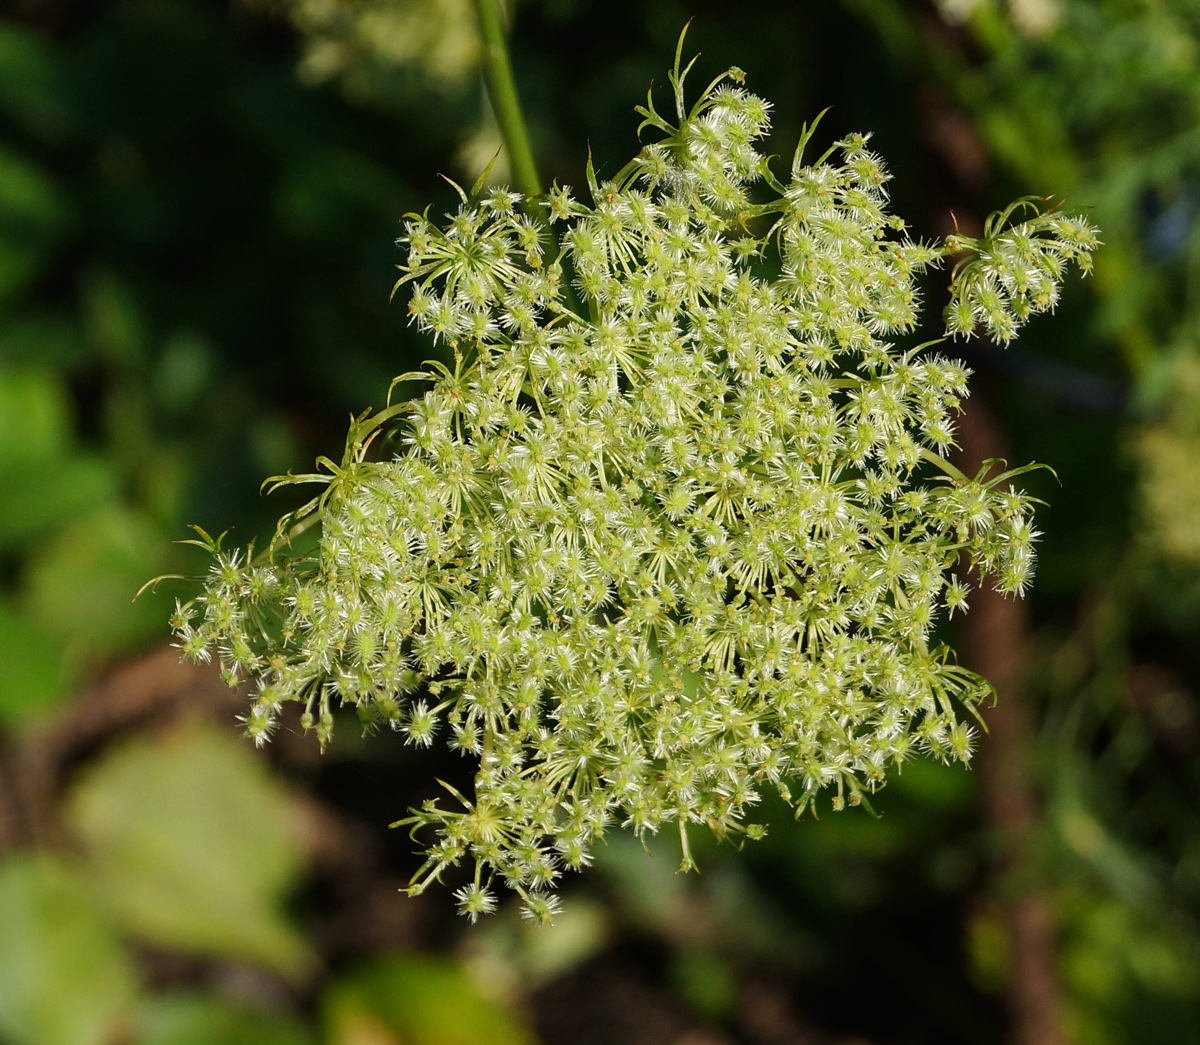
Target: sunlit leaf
[417,1001]
[35,420]
[194,1019]
[193,846]
[64,978]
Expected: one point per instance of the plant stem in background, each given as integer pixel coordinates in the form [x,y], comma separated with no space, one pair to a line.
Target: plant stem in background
[502,92]
[997,643]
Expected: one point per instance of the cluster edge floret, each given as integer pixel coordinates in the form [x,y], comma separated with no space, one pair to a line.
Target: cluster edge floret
[677,524]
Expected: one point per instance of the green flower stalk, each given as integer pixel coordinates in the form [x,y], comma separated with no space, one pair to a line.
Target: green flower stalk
[644,564]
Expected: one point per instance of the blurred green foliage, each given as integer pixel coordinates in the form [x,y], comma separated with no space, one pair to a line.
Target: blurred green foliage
[424,1001]
[197,1019]
[65,978]
[158,224]
[194,268]
[193,846]
[188,844]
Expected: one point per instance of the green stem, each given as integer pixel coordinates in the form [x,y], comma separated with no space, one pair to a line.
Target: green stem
[502,91]
[947,468]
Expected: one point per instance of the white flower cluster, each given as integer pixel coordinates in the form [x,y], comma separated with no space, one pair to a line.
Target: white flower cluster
[645,562]
[1014,271]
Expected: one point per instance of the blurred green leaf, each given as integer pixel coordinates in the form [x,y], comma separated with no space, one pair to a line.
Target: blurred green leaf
[365,42]
[35,420]
[652,892]
[32,675]
[417,1001]
[40,497]
[989,945]
[1111,949]
[705,979]
[113,320]
[30,85]
[194,1019]
[193,845]
[81,584]
[30,200]
[546,952]
[49,339]
[273,444]
[64,978]
[928,785]
[185,368]
[908,806]
[509,949]
[33,215]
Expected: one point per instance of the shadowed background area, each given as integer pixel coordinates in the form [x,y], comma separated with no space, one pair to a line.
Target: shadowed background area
[198,202]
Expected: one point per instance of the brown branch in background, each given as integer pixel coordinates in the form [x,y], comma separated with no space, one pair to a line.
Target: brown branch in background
[997,645]
[34,763]
[159,691]
[996,637]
